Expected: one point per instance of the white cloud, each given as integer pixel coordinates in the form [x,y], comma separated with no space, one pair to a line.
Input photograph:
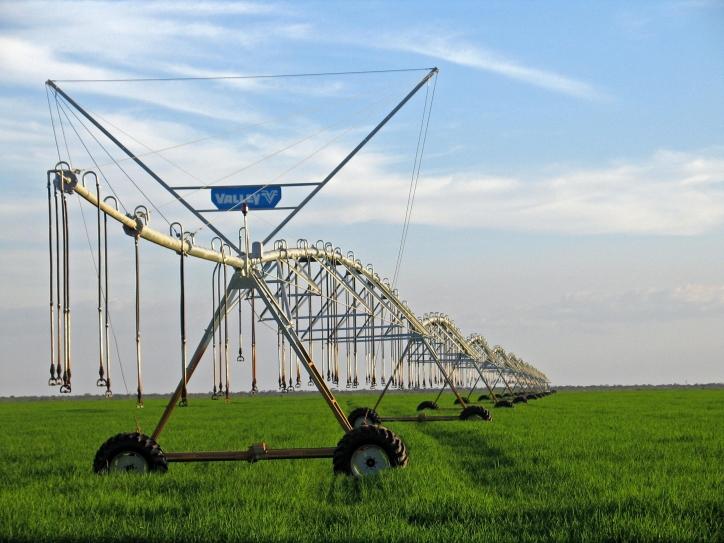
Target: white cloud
[639,305]
[210,8]
[465,54]
[654,195]
[666,193]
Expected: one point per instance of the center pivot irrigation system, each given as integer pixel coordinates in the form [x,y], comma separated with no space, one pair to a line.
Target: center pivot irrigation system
[338,324]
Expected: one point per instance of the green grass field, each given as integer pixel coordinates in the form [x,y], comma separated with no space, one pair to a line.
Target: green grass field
[577,466]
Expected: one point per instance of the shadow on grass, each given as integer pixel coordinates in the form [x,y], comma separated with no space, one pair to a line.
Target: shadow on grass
[487,464]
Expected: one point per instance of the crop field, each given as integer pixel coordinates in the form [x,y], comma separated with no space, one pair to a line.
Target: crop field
[576,466]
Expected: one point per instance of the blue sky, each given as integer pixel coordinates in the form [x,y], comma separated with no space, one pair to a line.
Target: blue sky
[571,199]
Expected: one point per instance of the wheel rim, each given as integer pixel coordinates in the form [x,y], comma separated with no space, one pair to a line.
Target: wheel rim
[368,460]
[128,462]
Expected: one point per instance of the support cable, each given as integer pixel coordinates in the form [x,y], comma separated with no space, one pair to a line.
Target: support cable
[232,77]
[90,155]
[416,177]
[149,200]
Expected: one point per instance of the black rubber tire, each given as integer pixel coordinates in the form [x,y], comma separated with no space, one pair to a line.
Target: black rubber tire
[373,419]
[427,404]
[520,399]
[503,403]
[483,397]
[457,401]
[531,397]
[131,442]
[473,411]
[380,436]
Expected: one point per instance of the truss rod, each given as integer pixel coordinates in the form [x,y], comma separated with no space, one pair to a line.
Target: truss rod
[142,164]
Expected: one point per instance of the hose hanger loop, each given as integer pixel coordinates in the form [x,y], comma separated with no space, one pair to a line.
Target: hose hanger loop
[141,216]
[176,230]
[281,246]
[214,241]
[91,173]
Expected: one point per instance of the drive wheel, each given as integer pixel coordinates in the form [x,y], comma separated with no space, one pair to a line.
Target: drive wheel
[130,453]
[427,404]
[364,416]
[520,399]
[367,450]
[475,412]
[503,403]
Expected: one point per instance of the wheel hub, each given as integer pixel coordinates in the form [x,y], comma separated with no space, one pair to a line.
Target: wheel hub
[128,462]
[368,460]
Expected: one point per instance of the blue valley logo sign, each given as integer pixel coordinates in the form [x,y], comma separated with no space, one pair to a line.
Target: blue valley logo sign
[257,196]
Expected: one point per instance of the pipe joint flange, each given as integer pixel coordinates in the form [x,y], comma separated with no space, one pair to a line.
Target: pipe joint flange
[66,180]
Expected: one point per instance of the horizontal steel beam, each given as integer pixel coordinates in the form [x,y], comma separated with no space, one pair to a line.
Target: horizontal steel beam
[209,187]
[253,454]
[422,417]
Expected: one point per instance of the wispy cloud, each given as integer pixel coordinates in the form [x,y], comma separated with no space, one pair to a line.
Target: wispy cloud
[667,193]
[459,52]
[676,303]
[212,8]
[116,36]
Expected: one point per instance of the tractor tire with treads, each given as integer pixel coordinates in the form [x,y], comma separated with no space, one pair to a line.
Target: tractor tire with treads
[130,453]
[364,416]
[473,412]
[367,450]
[427,404]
